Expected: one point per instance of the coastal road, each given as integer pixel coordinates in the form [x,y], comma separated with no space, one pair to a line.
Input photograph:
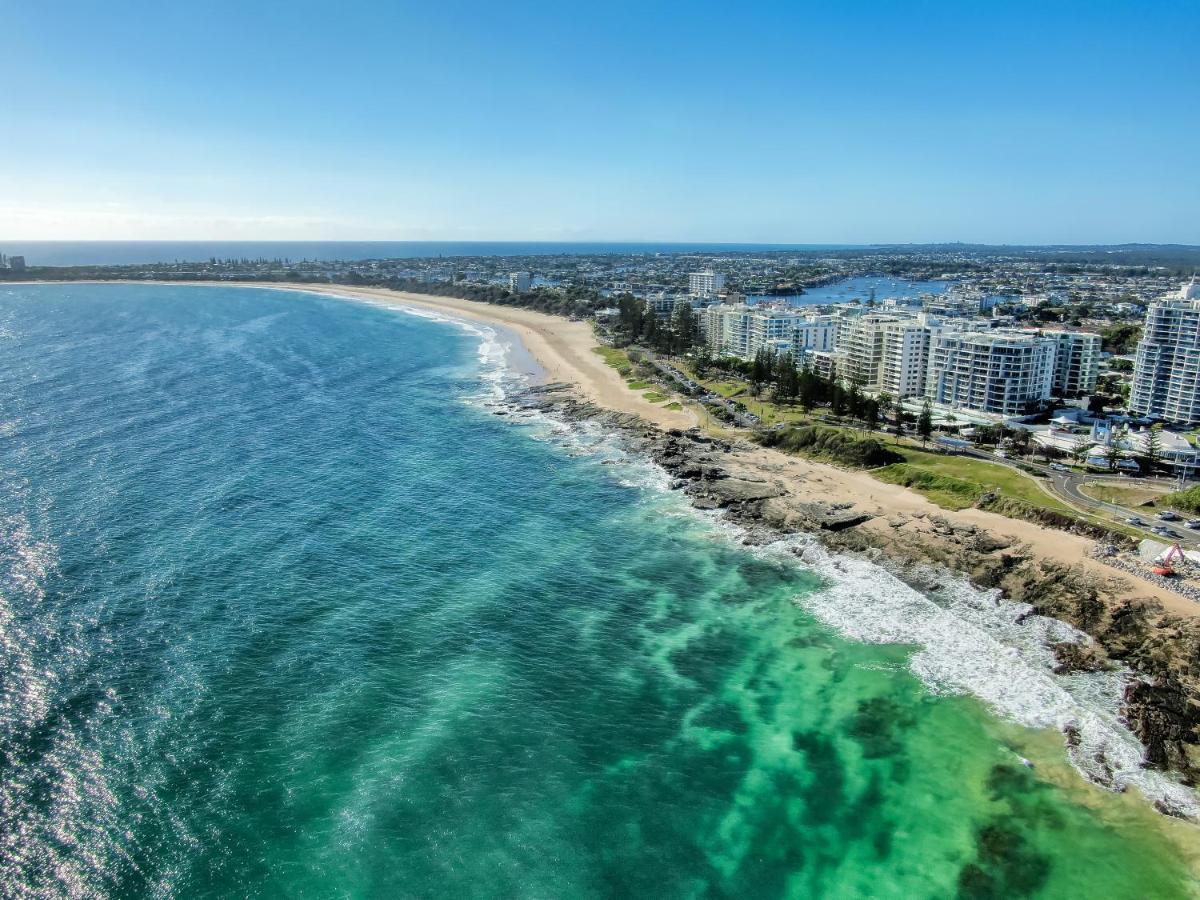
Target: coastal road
[1066,486]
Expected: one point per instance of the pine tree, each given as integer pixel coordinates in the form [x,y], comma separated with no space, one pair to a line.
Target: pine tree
[1112,455]
[685,327]
[1153,447]
[925,422]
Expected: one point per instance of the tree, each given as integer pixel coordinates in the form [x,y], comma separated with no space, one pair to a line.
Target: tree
[1021,439]
[760,371]
[787,378]
[925,422]
[684,325]
[649,328]
[1112,455]
[854,401]
[1153,447]
[811,389]
[870,414]
[1079,451]
[885,402]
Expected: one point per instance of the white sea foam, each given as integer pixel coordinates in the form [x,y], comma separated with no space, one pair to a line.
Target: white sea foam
[975,642]
[967,641]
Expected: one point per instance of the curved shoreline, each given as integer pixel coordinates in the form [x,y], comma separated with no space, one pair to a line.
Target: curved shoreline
[563,349]
[898,520]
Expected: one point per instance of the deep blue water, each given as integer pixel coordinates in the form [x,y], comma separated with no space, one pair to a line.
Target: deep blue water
[81,253]
[286,610]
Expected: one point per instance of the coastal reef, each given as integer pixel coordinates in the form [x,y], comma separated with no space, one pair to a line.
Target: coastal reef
[1161,705]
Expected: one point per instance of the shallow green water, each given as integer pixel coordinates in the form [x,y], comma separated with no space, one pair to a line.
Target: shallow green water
[279,619]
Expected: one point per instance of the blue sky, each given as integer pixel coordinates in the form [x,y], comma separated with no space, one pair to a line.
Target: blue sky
[848,122]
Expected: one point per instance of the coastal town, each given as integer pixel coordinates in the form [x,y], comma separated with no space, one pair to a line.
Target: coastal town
[1083,348]
[1078,367]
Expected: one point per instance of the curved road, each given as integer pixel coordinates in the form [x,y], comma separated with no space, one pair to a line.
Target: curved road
[1066,485]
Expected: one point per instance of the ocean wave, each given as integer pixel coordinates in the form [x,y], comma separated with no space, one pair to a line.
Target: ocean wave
[975,642]
[968,641]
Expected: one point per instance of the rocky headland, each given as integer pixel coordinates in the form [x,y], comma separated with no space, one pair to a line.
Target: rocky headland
[1128,625]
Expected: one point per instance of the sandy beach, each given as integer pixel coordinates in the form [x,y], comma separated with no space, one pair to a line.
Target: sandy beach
[564,350]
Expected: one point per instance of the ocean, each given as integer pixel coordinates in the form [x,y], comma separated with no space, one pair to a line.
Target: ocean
[291,606]
[120,253]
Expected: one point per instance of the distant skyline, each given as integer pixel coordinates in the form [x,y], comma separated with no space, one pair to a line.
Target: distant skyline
[855,123]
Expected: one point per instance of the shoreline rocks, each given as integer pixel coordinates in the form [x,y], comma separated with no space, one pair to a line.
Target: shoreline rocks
[1161,706]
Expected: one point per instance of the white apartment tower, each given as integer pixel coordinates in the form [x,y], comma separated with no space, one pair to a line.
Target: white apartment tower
[741,330]
[1166,370]
[1076,362]
[705,284]
[885,352]
[860,350]
[991,372]
[519,282]
[905,357]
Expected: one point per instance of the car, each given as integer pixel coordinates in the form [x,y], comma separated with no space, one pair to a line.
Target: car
[1134,520]
[1000,454]
[1167,516]
[1164,531]
[1192,523]
[1059,467]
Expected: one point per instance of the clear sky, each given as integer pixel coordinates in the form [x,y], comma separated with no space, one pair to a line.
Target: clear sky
[854,122]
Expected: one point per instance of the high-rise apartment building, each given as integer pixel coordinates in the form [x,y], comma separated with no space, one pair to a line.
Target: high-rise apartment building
[1166,370]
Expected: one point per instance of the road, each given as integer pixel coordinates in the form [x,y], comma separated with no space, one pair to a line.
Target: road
[1066,485]
[741,417]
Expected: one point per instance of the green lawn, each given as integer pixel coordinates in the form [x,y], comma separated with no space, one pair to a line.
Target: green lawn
[989,476]
[654,396]
[618,359]
[635,385]
[727,388]
[1120,495]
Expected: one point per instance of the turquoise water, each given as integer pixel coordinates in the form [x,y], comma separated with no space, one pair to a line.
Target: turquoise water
[285,610]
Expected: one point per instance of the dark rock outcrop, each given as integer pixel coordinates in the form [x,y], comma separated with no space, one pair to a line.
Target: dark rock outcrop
[1162,706]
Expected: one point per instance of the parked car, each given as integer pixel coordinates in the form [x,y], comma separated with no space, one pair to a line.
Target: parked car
[999,454]
[1167,516]
[1164,531]
[1059,467]
[1134,520]
[1192,523]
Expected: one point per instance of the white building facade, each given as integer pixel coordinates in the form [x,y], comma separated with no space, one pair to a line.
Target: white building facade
[1166,369]
[741,330]
[705,284]
[1000,373]
[1077,362]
